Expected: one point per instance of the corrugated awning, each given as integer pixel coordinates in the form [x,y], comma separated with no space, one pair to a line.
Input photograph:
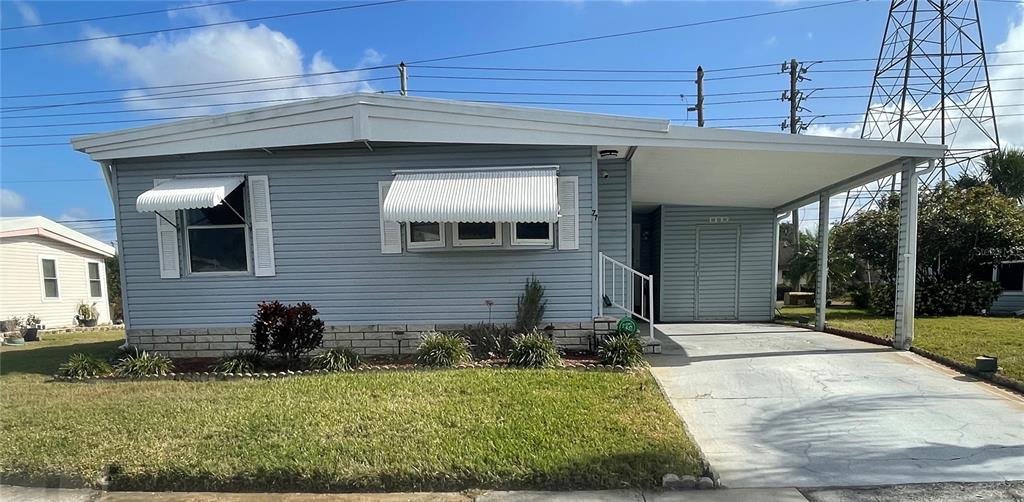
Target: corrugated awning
[474,196]
[188,193]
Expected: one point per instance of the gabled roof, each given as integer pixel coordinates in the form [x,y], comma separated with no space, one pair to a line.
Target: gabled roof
[19,226]
[364,117]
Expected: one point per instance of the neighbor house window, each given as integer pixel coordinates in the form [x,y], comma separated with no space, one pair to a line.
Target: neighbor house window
[51,286]
[217,238]
[476,234]
[525,234]
[95,282]
[1011,276]
[420,235]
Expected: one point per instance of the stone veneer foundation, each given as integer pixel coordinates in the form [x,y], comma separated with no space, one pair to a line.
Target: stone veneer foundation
[365,339]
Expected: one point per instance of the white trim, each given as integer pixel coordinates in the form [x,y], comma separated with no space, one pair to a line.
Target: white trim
[516,241]
[460,242]
[409,244]
[185,227]
[43,278]
[88,279]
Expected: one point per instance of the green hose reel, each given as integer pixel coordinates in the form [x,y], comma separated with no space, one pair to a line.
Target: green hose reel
[627,326]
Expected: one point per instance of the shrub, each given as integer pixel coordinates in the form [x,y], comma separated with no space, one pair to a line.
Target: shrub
[87,311]
[289,330]
[488,340]
[860,295]
[940,298]
[621,350]
[531,306]
[442,350]
[246,361]
[143,363]
[81,366]
[339,359]
[533,350]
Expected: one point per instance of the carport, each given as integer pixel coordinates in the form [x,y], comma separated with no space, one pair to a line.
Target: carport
[716,197]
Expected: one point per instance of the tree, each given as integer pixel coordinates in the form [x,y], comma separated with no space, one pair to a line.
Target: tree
[114,287]
[1005,172]
[804,265]
[960,231]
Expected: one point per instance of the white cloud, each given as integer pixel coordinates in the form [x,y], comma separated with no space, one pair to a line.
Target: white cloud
[10,202]
[771,41]
[28,13]
[218,53]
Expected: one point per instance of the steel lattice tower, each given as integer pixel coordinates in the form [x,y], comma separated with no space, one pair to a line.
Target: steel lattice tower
[931,85]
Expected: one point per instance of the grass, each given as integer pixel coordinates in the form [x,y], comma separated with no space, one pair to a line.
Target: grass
[960,338]
[377,431]
[43,357]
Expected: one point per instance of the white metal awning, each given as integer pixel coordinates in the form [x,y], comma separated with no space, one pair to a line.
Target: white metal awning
[188,193]
[474,195]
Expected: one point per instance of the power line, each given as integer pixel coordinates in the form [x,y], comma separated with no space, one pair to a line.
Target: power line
[204,25]
[633,32]
[116,16]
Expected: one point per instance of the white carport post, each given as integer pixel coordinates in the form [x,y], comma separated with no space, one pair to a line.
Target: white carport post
[821,288]
[906,257]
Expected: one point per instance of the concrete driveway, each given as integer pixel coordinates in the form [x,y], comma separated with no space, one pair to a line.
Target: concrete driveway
[772,405]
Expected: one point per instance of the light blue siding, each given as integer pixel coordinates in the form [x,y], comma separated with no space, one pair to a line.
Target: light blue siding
[1008,303]
[327,243]
[613,209]
[678,247]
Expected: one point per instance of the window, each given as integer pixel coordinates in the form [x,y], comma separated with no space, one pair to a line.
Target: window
[217,238]
[51,286]
[421,235]
[525,234]
[95,280]
[477,234]
[1011,276]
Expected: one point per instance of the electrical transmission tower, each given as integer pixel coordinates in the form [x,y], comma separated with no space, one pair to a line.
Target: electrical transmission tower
[931,85]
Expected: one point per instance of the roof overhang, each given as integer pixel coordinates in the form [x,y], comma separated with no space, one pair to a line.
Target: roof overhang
[38,226]
[671,164]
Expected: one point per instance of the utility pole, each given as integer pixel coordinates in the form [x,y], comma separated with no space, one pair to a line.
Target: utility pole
[795,125]
[699,108]
[403,75]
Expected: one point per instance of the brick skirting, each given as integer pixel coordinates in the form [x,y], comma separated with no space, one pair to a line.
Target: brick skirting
[364,339]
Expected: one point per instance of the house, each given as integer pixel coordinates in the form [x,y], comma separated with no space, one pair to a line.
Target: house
[394,214]
[1009,275]
[48,269]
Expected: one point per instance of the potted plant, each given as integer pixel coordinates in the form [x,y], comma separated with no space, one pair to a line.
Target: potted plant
[87,314]
[12,325]
[31,331]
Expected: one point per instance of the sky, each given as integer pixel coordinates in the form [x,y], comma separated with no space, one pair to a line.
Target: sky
[656,68]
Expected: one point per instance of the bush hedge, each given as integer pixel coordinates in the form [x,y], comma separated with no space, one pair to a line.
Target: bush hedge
[533,350]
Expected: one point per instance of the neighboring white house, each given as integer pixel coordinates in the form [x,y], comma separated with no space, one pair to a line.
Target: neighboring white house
[47,269]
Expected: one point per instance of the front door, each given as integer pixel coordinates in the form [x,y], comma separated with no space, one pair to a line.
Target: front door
[718,270]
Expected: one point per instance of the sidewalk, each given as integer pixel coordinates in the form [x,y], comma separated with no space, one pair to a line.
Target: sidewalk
[19,494]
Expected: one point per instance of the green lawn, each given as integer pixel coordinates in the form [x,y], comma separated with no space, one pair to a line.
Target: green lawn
[424,430]
[960,338]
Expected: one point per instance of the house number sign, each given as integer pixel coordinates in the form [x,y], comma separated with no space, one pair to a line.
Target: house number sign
[718,219]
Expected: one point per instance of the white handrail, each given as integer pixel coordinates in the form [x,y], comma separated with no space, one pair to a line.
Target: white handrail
[623,298]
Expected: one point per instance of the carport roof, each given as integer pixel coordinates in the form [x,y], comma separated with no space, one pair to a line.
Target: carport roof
[671,164]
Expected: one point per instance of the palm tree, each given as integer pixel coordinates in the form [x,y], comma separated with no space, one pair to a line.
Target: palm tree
[1005,172]
[804,265]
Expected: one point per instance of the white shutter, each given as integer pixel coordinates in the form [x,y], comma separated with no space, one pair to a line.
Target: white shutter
[262,230]
[390,231]
[569,212]
[167,242]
